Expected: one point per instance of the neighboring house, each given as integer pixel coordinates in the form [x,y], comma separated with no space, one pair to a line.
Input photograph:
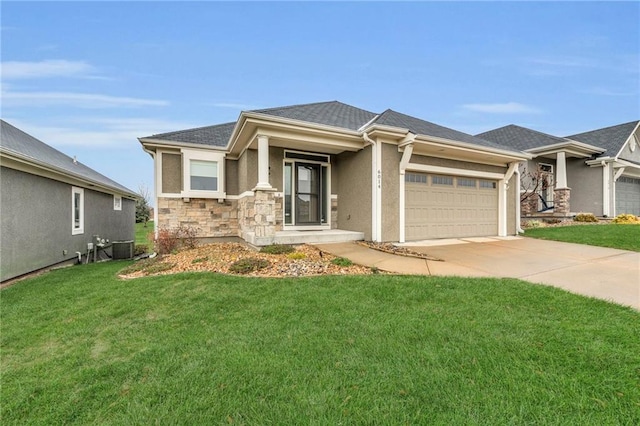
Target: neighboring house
[330,171]
[52,206]
[596,172]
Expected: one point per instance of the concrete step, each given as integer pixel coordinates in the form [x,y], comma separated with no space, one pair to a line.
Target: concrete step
[315,237]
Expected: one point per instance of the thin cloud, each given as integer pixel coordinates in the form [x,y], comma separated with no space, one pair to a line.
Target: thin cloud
[502,108]
[79,100]
[13,70]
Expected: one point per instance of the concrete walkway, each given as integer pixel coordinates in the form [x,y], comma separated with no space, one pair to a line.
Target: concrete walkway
[608,274]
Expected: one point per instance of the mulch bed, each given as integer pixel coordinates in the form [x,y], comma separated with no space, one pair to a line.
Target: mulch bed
[219,257]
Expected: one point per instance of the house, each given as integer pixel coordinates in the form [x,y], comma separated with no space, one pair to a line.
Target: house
[596,171]
[53,206]
[330,172]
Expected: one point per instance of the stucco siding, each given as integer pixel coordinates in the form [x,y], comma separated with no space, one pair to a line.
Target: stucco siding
[627,154]
[445,162]
[276,158]
[231,177]
[247,170]
[390,192]
[354,191]
[36,222]
[586,187]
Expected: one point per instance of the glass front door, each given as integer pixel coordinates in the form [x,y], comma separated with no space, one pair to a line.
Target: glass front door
[306,193]
[308,200]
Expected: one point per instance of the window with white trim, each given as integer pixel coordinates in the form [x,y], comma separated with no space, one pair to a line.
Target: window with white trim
[442,180]
[466,182]
[77,211]
[117,202]
[203,174]
[487,184]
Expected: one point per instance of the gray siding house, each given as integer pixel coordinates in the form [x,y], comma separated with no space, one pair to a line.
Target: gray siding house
[52,207]
[330,171]
[595,172]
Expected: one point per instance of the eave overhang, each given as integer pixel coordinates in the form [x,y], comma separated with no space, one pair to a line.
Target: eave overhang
[447,148]
[14,160]
[571,148]
[153,144]
[289,133]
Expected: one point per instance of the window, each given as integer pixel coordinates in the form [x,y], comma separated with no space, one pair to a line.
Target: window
[487,184]
[415,178]
[466,183]
[442,180]
[77,211]
[203,174]
[117,202]
[547,168]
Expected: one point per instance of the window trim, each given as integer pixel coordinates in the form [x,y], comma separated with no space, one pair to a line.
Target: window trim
[199,155]
[79,230]
[117,202]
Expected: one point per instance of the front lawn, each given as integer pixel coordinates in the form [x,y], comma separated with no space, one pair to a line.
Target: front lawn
[80,346]
[624,237]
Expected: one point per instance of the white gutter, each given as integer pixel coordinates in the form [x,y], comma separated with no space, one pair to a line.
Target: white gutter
[376,189]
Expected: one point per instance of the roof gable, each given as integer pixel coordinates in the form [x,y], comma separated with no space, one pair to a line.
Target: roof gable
[611,138]
[333,113]
[15,141]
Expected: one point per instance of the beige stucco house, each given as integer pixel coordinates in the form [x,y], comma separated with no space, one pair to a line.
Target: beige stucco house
[595,172]
[333,172]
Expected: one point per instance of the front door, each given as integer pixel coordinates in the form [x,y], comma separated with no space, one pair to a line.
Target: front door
[308,202]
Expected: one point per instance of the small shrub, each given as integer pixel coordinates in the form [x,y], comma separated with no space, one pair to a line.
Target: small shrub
[552,221]
[296,255]
[626,219]
[375,270]
[341,261]
[199,260]
[140,249]
[170,240]
[249,264]
[585,217]
[277,249]
[532,224]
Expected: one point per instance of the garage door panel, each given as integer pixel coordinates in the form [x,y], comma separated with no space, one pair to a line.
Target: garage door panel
[628,195]
[448,210]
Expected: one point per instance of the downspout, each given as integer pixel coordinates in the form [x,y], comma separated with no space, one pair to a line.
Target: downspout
[404,161]
[155,191]
[376,178]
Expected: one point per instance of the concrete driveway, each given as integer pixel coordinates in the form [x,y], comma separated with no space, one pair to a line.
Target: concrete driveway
[608,274]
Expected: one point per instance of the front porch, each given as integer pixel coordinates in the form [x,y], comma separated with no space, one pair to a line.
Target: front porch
[315,237]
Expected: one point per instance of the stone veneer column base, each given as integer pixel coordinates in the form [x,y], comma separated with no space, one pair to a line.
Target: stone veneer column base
[258,217]
[561,201]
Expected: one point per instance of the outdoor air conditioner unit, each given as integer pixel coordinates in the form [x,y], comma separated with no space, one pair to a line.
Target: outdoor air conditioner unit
[122,250]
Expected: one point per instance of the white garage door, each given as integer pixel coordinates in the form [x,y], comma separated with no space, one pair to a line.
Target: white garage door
[440,206]
[628,195]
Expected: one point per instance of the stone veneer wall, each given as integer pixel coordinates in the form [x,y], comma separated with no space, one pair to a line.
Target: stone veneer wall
[529,206]
[211,218]
[260,216]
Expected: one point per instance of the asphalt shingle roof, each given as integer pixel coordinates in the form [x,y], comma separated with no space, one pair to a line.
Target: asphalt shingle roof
[422,127]
[611,138]
[14,140]
[331,113]
[520,137]
[217,135]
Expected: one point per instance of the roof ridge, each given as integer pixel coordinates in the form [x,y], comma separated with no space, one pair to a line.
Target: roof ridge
[294,106]
[539,132]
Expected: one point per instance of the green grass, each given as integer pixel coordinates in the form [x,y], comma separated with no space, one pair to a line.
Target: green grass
[82,347]
[624,237]
[142,233]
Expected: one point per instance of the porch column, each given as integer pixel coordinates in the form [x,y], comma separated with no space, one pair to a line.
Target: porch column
[263,163]
[561,171]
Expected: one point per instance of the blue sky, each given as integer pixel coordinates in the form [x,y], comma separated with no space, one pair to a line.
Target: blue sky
[89,78]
